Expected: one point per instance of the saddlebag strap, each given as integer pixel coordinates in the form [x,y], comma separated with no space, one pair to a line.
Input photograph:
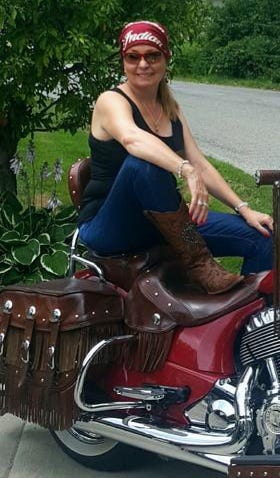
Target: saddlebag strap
[26,343]
[43,378]
[54,330]
[4,323]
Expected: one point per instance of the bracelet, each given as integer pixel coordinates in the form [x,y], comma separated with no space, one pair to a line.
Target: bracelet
[240,205]
[180,169]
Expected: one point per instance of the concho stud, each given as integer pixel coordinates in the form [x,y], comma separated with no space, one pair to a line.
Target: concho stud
[31,311]
[156,319]
[56,314]
[8,306]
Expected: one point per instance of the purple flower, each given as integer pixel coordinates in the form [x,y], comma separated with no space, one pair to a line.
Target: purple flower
[53,202]
[58,171]
[16,164]
[30,153]
[44,171]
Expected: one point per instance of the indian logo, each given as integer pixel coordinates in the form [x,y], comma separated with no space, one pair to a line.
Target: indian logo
[131,37]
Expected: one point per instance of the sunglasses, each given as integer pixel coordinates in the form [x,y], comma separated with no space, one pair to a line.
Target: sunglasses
[134,58]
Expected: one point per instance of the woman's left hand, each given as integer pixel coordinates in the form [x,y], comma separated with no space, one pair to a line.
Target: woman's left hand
[258,220]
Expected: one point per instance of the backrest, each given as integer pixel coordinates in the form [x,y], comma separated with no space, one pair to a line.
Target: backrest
[78,177]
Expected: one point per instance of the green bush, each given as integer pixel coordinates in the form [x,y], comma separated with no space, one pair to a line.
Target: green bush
[34,227]
[238,19]
[33,241]
[194,60]
[241,39]
[250,57]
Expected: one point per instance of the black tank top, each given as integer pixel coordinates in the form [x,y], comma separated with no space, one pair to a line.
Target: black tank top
[108,156]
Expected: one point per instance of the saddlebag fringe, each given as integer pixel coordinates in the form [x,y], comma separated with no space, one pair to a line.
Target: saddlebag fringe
[149,352]
[40,354]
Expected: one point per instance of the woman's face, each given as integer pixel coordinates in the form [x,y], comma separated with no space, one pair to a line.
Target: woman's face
[144,66]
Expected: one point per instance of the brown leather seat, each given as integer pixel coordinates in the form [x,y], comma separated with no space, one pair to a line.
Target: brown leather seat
[161,299]
[124,269]
[78,177]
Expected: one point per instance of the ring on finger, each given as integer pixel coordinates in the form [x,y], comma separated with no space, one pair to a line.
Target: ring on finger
[202,203]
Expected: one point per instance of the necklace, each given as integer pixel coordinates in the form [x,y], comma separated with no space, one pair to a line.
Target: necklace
[155,121]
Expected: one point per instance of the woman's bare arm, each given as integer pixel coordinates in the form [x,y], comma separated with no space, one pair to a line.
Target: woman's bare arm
[218,187]
[113,118]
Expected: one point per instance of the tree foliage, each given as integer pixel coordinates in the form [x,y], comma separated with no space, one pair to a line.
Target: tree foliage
[236,19]
[196,21]
[243,39]
[56,56]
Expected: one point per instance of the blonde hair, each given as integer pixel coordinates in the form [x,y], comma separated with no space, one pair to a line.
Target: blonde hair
[167,100]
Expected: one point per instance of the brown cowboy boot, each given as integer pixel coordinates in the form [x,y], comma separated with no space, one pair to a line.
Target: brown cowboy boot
[180,232]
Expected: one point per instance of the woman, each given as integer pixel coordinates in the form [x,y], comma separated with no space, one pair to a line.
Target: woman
[138,138]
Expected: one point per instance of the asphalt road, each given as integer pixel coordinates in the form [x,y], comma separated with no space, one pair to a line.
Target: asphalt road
[237,125]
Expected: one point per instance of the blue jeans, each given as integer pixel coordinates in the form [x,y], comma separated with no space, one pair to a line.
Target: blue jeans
[121,226]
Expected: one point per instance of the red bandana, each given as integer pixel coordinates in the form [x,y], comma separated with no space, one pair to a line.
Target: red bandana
[147,33]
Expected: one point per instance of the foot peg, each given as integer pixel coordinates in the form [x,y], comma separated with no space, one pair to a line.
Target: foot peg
[140,393]
[150,393]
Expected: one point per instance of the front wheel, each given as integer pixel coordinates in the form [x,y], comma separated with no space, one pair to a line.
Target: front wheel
[96,451]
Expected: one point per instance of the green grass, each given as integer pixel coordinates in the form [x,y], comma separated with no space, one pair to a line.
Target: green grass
[50,146]
[244,185]
[263,83]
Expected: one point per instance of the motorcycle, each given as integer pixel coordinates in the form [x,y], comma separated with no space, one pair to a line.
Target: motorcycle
[169,369]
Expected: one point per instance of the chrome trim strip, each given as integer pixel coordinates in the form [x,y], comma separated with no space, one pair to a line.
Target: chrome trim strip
[87,263]
[77,258]
[74,242]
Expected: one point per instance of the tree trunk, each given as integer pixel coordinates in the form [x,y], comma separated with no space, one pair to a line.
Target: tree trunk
[8,148]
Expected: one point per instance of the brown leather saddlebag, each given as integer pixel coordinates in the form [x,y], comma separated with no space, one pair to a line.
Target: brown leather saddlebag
[45,332]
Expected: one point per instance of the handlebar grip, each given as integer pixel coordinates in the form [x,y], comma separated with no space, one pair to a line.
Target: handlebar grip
[267,176]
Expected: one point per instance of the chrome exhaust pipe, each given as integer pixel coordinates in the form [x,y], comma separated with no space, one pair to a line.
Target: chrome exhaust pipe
[201,447]
[120,430]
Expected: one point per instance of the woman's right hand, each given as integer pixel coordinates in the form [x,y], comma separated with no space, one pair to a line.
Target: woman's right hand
[198,207]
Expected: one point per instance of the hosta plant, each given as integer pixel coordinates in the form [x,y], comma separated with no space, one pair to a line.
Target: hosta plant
[33,242]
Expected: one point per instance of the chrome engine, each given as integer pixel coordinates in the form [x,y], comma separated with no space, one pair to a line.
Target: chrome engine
[221,409]
[261,340]
[216,411]
[261,343]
